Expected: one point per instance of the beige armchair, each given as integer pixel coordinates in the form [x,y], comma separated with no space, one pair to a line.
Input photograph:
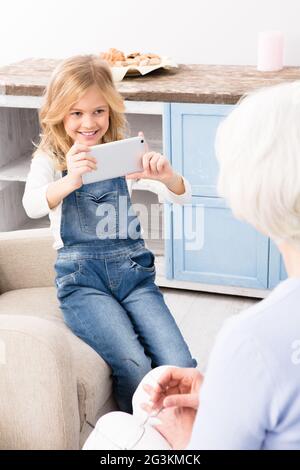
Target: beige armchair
[53,386]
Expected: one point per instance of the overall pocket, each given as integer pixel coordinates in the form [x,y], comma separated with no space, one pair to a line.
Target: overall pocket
[67,272]
[98,214]
[143,260]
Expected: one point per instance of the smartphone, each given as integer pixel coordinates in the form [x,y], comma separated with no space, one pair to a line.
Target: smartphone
[116,159]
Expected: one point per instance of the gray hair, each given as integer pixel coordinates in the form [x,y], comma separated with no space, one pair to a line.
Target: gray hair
[258,149]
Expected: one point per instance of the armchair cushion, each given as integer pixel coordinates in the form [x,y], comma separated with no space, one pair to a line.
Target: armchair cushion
[28,297]
[37,386]
[91,372]
[26,259]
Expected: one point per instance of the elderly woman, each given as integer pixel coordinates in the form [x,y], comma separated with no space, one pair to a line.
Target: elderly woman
[250,396]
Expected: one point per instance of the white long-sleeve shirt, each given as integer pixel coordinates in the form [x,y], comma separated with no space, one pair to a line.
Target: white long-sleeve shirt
[42,173]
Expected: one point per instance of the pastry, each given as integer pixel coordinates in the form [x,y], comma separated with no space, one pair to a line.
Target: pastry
[117,58]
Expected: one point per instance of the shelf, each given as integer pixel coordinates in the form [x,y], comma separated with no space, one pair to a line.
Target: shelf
[15,101]
[16,170]
[35,102]
[144,107]
[4,185]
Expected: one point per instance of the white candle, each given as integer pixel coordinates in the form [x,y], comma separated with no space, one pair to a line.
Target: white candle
[270,51]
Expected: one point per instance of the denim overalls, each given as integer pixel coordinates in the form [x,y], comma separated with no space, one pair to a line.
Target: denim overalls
[105,286]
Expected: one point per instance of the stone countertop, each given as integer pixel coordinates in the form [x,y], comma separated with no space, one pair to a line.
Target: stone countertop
[222,84]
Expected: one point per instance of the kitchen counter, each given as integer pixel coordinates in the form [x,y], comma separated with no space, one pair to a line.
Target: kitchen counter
[220,84]
[158,104]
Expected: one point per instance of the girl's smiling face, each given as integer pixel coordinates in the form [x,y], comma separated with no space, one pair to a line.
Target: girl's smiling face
[88,119]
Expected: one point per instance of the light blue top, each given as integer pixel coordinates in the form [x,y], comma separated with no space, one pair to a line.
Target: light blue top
[250,398]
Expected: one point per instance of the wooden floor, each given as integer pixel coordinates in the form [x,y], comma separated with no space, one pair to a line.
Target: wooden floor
[201,315]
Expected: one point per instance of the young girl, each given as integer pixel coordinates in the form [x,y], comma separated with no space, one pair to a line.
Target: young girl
[105,277]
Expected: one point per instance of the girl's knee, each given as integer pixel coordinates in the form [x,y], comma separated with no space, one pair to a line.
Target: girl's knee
[178,360]
[137,366]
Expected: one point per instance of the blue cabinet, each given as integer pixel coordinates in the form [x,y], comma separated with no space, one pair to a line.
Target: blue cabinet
[277,270]
[211,246]
[205,243]
[193,128]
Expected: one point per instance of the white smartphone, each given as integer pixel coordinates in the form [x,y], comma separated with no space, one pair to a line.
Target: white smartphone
[116,159]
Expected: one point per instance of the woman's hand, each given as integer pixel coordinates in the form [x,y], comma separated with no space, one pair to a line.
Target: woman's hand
[178,393]
[158,167]
[176,425]
[79,162]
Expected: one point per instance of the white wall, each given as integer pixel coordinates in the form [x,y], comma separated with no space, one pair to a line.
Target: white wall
[190,31]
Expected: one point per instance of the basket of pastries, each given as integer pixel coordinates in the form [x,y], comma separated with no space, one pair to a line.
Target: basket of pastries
[134,64]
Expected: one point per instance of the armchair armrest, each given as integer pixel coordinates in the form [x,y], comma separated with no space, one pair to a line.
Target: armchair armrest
[26,259]
[38,389]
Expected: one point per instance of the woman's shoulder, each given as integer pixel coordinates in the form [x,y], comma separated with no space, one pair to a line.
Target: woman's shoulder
[246,323]
[259,320]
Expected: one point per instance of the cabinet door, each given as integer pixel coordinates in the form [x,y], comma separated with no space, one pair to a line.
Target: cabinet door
[211,246]
[193,130]
[277,272]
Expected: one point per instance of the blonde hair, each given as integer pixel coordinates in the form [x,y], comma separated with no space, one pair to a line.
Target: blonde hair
[69,82]
[258,149]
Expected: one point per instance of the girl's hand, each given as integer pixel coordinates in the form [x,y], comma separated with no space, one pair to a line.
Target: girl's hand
[79,162]
[155,166]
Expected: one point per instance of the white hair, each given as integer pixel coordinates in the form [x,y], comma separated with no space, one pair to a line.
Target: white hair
[258,149]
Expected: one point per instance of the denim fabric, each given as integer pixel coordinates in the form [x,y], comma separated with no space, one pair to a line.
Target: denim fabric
[106,289]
